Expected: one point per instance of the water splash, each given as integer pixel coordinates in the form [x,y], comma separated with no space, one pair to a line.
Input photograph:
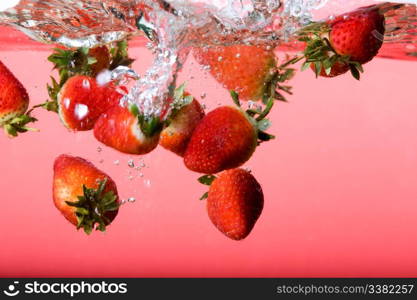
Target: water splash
[177,25]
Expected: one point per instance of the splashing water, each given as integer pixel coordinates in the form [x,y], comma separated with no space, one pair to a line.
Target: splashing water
[177,25]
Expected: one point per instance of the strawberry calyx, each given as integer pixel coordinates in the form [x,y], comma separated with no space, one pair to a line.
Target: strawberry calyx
[149,125]
[275,84]
[319,52]
[180,99]
[18,124]
[71,62]
[257,116]
[92,207]
[206,180]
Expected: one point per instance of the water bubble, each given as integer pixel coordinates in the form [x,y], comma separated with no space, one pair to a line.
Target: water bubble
[99,149]
[81,111]
[116,162]
[86,84]
[203,95]
[67,102]
[104,77]
[220,58]
[147,183]
[131,163]
[131,199]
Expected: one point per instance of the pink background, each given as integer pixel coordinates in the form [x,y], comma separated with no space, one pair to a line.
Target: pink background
[339,183]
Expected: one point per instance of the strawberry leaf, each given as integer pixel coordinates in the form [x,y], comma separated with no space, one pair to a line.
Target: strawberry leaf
[92,207]
[205,196]
[235,98]
[207,179]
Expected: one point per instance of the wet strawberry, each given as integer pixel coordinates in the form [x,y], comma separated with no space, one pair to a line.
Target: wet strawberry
[83,62]
[248,70]
[14,101]
[85,196]
[82,101]
[224,139]
[234,202]
[127,131]
[345,42]
[181,125]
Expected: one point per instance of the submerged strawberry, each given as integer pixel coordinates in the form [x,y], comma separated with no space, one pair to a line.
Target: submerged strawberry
[14,102]
[81,101]
[86,196]
[83,62]
[185,116]
[251,71]
[234,202]
[226,138]
[345,42]
[127,131]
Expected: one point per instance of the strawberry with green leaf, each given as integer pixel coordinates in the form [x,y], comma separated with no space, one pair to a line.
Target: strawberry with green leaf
[84,195]
[343,43]
[127,130]
[251,71]
[14,102]
[227,137]
[85,62]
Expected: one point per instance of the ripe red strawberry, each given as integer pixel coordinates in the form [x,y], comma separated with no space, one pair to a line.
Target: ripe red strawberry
[14,102]
[127,131]
[234,202]
[248,70]
[83,62]
[181,124]
[86,196]
[81,101]
[226,138]
[347,41]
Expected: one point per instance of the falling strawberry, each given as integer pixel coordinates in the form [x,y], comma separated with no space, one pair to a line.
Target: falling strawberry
[127,130]
[234,202]
[85,62]
[86,196]
[345,42]
[184,117]
[14,102]
[81,101]
[251,71]
[226,138]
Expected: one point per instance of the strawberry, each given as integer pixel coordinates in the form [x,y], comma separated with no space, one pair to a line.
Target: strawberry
[226,138]
[185,115]
[127,131]
[81,101]
[14,102]
[86,196]
[345,42]
[234,202]
[251,71]
[85,62]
